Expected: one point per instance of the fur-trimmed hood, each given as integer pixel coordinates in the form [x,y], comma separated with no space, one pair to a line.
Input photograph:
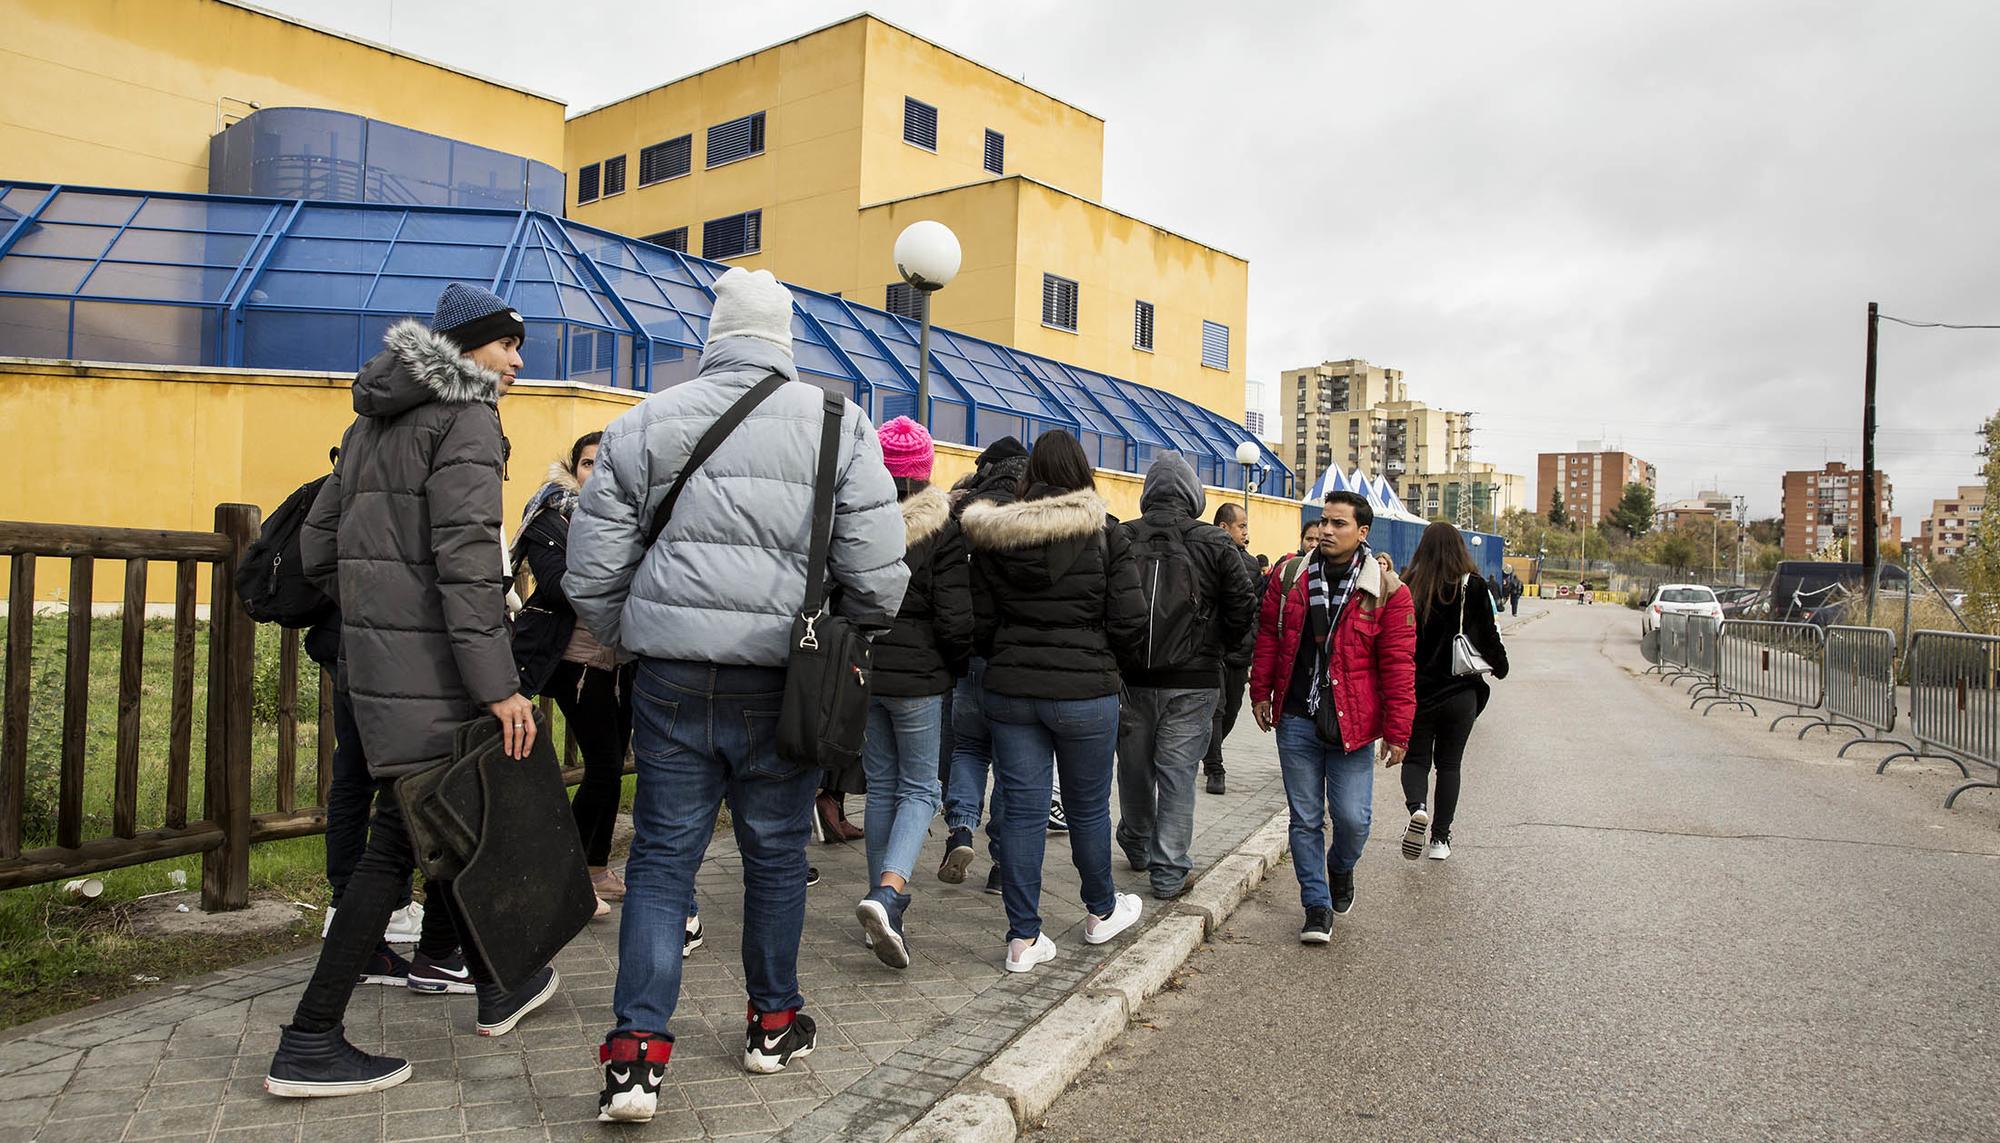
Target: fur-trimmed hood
[417,367]
[924,513]
[1033,523]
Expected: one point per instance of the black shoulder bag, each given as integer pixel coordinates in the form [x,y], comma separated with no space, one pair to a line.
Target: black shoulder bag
[709,442]
[825,711]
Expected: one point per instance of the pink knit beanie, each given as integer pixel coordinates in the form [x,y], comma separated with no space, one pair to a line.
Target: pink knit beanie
[906,449]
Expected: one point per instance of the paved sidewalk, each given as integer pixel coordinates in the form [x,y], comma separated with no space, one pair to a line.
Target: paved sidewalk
[187,1063]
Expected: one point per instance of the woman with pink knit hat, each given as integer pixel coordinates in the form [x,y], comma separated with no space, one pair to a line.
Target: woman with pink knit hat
[916,663]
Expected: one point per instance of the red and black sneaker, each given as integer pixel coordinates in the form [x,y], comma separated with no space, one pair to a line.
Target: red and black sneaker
[774,1038]
[634,1064]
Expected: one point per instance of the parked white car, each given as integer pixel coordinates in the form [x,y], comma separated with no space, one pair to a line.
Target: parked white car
[1681,599]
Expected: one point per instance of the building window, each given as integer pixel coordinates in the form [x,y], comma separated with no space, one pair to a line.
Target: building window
[905,300]
[736,139]
[614,176]
[668,160]
[1214,345]
[1058,302]
[734,236]
[919,124]
[996,152]
[1142,326]
[675,239]
[586,184]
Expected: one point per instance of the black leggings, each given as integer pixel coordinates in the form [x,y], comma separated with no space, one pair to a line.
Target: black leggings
[1438,740]
[372,893]
[597,704]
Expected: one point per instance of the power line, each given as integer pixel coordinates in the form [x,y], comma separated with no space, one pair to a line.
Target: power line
[1932,324]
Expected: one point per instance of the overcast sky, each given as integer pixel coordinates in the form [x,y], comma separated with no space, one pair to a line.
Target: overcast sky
[1658,224]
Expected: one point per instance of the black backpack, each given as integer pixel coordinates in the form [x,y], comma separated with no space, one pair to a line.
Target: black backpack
[271,582]
[1177,616]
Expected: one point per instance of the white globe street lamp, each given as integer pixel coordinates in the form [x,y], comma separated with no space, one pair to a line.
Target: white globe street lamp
[927,256]
[1247,455]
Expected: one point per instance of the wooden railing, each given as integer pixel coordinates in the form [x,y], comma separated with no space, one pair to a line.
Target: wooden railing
[226,827]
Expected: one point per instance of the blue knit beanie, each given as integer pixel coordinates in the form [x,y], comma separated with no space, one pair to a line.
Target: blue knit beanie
[472,316]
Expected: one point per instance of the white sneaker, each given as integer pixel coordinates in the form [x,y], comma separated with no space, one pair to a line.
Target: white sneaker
[1124,913]
[1439,849]
[1413,837]
[1040,951]
[405,925]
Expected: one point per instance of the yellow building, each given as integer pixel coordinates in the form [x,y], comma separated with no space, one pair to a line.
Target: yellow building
[809,157]
[127,93]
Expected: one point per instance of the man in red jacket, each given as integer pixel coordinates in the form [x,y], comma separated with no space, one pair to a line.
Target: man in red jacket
[1335,670]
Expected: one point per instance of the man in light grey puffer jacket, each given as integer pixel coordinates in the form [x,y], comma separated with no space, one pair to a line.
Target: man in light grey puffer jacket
[708,610]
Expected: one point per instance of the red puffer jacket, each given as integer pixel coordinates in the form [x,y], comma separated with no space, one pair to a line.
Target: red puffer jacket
[1373,660]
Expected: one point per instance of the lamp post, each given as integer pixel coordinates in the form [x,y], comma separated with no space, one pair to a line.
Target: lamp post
[1247,455]
[927,256]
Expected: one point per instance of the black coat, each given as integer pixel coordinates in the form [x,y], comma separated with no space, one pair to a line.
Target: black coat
[1226,585]
[1055,596]
[1437,632]
[926,650]
[543,628]
[1244,652]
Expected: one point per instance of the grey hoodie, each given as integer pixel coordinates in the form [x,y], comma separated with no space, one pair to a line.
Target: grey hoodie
[406,536]
[1170,507]
[729,573]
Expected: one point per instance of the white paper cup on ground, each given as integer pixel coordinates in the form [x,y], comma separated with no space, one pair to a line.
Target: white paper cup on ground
[85,889]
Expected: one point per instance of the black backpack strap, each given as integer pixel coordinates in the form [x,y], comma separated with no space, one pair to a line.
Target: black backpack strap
[709,442]
[834,410]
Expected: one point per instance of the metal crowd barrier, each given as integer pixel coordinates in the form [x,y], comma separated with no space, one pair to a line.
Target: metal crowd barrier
[1955,703]
[1673,645]
[1773,662]
[1704,648]
[1859,674]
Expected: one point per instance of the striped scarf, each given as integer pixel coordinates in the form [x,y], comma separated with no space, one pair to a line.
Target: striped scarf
[1326,601]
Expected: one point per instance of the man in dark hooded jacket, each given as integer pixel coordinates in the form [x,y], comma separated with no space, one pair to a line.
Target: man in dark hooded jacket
[1200,603]
[1235,523]
[405,536]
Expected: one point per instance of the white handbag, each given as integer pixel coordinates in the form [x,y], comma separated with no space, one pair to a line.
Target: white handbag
[1465,659]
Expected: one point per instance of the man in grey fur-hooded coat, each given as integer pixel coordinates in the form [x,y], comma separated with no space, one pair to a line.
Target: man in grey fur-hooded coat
[406,535]
[708,610]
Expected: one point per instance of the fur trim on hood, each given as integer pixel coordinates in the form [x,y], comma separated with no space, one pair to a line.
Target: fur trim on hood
[925,513]
[560,476]
[435,360]
[1033,523]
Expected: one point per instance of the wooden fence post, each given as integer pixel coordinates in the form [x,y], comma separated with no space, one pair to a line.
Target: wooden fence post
[232,642]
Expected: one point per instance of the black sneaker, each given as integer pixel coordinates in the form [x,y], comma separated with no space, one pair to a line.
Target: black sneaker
[1318,928]
[1058,817]
[1218,783]
[993,881]
[634,1064]
[767,1049]
[1343,892]
[881,917]
[441,974]
[310,1064]
[812,876]
[691,936]
[499,1011]
[957,856]
[386,968]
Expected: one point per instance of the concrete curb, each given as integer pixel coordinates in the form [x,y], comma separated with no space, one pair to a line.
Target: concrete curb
[1029,1074]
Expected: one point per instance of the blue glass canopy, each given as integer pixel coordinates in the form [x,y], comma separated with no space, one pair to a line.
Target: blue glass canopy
[99,274]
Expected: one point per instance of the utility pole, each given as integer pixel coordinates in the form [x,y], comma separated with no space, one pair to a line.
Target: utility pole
[1869,558]
[1463,463]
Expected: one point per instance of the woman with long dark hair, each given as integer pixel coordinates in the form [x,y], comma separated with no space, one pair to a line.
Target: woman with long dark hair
[1057,604]
[1450,598]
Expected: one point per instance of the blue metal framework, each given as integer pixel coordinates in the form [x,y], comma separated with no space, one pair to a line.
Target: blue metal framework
[100,274]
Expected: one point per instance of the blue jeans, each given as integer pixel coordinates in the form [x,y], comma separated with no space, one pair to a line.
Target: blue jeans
[971,752]
[900,758]
[701,732]
[1032,739]
[1318,775]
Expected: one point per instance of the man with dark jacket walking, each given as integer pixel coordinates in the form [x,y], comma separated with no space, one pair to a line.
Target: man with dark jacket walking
[405,536]
[1200,604]
[708,610]
[1512,586]
[1234,522]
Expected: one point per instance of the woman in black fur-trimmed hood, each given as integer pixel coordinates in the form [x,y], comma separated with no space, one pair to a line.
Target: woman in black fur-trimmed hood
[1057,606]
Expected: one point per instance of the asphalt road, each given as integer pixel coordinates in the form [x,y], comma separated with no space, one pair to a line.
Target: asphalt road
[1652,926]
